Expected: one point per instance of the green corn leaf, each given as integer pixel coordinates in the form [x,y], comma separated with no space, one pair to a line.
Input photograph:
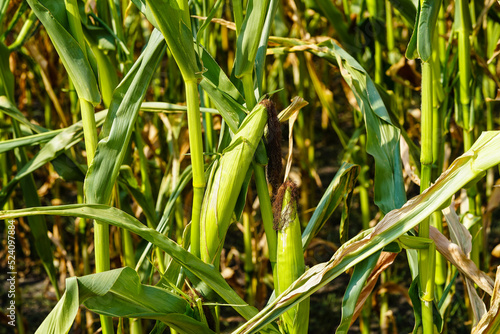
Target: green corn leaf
[208,20]
[359,276]
[8,108]
[63,141]
[170,20]
[222,92]
[71,53]
[465,169]
[411,49]
[67,168]
[260,58]
[113,216]
[6,76]
[342,183]
[37,224]
[407,9]
[164,107]
[248,44]
[119,293]
[421,40]
[127,179]
[164,223]
[8,145]
[107,77]
[426,26]
[382,134]
[119,124]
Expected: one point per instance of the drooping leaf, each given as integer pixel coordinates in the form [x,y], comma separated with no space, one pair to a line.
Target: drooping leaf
[70,52]
[490,322]
[119,293]
[63,141]
[172,21]
[342,183]
[8,108]
[421,40]
[119,124]
[118,218]
[7,145]
[407,9]
[396,223]
[359,276]
[382,135]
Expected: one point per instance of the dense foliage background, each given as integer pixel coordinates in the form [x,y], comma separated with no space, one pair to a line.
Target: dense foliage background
[376,99]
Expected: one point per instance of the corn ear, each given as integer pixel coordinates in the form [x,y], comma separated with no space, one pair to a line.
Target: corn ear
[225,182]
[290,257]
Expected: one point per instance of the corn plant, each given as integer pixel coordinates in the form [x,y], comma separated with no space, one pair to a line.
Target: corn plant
[156,130]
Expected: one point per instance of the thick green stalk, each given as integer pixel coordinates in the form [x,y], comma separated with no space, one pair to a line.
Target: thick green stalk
[196,147]
[463,23]
[437,152]
[489,92]
[101,230]
[441,24]
[373,8]
[248,266]
[266,212]
[390,25]
[425,255]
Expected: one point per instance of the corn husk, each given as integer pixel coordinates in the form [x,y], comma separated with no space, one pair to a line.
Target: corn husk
[290,259]
[225,182]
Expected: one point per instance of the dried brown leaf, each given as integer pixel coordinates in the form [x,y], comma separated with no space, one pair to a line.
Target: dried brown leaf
[492,317]
[384,261]
[456,256]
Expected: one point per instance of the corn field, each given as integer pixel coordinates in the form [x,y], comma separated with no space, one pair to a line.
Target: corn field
[245,166]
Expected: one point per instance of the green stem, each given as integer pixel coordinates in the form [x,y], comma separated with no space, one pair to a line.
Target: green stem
[248,266]
[238,15]
[425,255]
[24,33]
[101,230]
[373,7]
[384,306]
[437,152]
[442,33]
[266,212]
[196,147]
[249,91]
[389,26]
[366,312]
